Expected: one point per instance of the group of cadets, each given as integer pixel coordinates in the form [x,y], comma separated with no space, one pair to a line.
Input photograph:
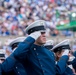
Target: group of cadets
[34,55]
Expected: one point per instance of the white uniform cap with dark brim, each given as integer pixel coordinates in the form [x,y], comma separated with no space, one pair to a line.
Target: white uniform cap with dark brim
[16,41]
[49,44]
[2,54]
[38,25]
[62,46]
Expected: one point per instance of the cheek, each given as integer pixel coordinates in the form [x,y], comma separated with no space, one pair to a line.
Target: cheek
[59,55]
[43,39]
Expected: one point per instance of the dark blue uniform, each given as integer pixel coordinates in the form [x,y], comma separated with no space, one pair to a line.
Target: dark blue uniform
[12,67]
[74,61]
[74,64]
[68,71]
[18,69]
[40,60]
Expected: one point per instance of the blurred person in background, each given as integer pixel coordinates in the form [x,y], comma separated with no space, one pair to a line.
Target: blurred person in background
[59,49]
[18,68]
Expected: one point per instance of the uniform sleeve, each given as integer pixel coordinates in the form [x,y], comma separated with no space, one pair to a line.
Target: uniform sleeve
[17,55]
[61,64]
[23,48]
[8,64]
[74,64]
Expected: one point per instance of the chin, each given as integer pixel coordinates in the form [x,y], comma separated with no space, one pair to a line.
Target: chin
[44,42]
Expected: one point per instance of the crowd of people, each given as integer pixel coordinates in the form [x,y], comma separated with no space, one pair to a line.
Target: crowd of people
[16,15]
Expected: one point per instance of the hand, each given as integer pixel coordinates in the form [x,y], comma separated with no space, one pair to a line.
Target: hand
[71,58]
[35,35]
[66,52]
[23,47]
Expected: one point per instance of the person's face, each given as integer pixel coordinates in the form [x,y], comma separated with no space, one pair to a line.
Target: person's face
[59,54]
[42,39]
[70,53]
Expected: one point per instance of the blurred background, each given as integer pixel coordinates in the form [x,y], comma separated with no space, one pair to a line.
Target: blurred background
[16,15]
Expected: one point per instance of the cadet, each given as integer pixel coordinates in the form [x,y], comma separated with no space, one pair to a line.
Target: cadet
[18,68]
[59,49]
[10,62]
[40,60]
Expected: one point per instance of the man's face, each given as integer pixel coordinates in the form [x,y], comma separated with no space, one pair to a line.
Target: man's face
[59,54]
[42,39]
[1,60]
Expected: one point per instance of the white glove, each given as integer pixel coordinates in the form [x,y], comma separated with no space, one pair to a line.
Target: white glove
[71,58]
[35,35]
[66,52]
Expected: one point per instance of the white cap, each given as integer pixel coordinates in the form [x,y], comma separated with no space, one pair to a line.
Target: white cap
[16,41]
[62,45]
[49,44]
[2,54]
[38,25]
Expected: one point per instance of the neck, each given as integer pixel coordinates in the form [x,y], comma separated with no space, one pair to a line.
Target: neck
[39,44]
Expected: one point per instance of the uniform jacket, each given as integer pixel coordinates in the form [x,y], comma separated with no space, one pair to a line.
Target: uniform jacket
[40,60]
[68,71]
[74,61]
[18,69]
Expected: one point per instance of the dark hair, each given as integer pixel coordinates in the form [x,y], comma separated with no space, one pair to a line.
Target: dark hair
[14,45]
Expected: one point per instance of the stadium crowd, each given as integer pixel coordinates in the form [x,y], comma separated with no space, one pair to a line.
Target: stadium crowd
[16,15]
